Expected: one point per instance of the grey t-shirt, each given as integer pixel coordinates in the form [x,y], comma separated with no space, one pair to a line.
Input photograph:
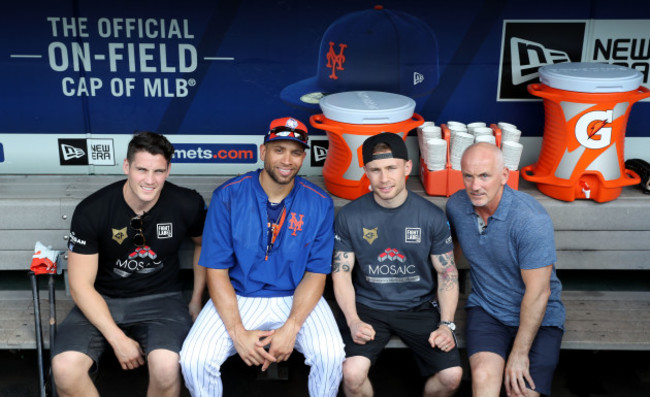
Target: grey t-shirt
[392,248]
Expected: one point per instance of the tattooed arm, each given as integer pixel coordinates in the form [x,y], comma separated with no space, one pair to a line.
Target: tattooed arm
[342,265]
[447,274]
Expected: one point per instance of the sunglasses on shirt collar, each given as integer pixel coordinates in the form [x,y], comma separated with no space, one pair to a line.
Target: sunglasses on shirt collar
[137,223]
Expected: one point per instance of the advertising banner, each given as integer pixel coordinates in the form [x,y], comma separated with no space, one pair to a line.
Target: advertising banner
[78,78]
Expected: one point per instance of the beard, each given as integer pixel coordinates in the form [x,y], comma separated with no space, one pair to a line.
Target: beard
[277,178]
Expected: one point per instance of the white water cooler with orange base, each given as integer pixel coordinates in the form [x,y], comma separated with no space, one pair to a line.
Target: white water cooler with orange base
[349,118]
[586,108]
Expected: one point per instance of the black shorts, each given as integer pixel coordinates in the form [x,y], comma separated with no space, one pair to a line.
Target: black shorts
[414,328]
[159,321]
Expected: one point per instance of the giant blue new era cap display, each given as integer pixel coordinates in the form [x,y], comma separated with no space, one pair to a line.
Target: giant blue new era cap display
[376,49]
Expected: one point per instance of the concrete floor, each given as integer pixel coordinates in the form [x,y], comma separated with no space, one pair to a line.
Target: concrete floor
[579,374]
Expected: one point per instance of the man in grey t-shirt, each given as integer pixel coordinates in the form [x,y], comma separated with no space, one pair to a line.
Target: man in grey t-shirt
[394,274]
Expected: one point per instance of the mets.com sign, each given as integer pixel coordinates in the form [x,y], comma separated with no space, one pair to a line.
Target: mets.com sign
[204,153]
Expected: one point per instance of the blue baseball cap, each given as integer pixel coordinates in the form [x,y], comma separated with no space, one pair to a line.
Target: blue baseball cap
[376,49]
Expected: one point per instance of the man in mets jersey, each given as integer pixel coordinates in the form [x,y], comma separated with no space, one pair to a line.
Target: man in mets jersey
[267,247]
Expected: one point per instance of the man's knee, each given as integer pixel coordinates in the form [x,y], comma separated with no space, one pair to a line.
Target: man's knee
[486,367]
[355,371]
[69,368]
[482,374]
[164,367]
[450,378]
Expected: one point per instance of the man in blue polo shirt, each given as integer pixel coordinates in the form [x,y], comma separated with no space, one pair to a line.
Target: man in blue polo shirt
[515,318]
[268,242]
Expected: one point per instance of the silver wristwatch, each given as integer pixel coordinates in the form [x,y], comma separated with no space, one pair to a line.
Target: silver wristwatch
[450,324]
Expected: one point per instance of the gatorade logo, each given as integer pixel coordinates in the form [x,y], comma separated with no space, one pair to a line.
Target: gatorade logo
[593,130]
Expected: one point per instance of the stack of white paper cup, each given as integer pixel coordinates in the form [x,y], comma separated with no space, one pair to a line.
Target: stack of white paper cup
[436,154]
[462,141]
[431,131]
[509,134]
[455,127]
[485,138]
[511,154]
[456,124]
[421,140]
[423,125]
[503,124]
[475,124]
[478,131]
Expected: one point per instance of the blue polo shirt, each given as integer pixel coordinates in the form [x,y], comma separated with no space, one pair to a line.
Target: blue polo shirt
[518,236]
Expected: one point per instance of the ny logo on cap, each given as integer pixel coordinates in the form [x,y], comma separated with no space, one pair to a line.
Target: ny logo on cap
[334,60]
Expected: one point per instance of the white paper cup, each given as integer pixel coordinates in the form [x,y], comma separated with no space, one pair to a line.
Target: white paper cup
[475,124]
[510,134]
[425,124]
[477,131]
[503,124]
[431,131]
[511,154]
[420,134]
[486,138]
[436,154]
[462,141]
[456,124]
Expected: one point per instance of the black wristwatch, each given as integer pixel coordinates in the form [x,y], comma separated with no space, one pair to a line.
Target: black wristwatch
[450,324]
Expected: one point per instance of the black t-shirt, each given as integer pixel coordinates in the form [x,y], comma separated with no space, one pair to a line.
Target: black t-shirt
[392,248]
[101,225]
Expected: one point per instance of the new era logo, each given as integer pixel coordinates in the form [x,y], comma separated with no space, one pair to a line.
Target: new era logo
[527,45]
[318,153]
[528,56]
[417,78]
[71,152]
[92,151]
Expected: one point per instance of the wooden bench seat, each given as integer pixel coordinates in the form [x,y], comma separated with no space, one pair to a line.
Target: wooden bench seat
[589,236]
[596,320]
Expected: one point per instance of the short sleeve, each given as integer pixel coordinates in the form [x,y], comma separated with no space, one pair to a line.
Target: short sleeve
[200,211]
[442,242]
[83,233]
[342,239]
[535,243]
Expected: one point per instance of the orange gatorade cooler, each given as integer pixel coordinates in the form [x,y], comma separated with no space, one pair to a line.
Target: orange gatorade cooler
[349,118]
[586,108]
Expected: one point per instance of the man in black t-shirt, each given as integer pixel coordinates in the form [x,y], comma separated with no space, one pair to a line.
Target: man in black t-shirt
[123,270]
[394,274]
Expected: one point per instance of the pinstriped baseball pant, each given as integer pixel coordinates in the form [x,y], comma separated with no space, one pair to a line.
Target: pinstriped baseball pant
[208,344]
